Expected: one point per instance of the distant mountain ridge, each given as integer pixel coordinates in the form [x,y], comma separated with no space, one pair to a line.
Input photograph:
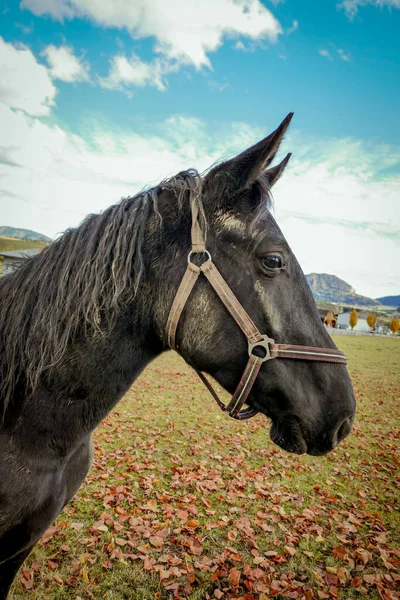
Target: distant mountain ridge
[390,300]
[23,234]
[330,288]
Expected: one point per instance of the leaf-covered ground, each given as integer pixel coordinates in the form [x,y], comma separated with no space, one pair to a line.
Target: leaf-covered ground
[183,502]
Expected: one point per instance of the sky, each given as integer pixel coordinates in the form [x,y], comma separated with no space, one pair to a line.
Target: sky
[100,99]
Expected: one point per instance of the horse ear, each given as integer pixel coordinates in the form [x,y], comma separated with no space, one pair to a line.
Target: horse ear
[272,175]
[243,170]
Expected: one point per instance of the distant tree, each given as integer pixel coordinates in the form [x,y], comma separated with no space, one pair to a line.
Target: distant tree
[329,318]
[353,318]
[371,320]
[394,325]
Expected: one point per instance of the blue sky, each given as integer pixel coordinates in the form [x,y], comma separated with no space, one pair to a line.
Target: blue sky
[99,99]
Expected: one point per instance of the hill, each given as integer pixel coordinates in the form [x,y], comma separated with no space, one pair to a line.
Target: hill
[329,288]
[390,300]
[23,234]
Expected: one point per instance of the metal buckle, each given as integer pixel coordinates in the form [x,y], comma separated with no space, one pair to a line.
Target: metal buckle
[264,343]
[206,252]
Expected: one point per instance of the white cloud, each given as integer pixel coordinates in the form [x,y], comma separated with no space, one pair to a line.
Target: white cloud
[24,83]
[343,55]
[339,210]
[351,6]
[325,53]
[125,73]
[64,65]
[218,86]
[368,262]
[293,28]
[185,31]
[60,177]
[26,29]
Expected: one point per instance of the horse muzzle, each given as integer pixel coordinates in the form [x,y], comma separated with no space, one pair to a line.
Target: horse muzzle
[293,436]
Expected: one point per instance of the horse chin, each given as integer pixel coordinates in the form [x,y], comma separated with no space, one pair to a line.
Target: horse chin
[288,436]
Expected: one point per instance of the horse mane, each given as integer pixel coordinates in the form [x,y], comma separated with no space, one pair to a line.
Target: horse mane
[76,286]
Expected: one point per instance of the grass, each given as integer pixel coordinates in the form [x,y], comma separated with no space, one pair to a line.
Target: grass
[184,502]
[8,244]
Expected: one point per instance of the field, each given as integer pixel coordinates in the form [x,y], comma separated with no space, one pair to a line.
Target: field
[183,502]
[8,244]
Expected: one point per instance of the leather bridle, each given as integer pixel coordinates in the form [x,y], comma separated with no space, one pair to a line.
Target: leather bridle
[255,339]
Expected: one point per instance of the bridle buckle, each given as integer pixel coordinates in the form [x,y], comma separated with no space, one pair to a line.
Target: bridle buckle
[192,252]
[265,344]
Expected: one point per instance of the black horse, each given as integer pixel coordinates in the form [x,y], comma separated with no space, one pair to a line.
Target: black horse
[81,320]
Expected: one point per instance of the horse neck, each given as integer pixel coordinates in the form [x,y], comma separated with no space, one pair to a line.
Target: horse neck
[75,395]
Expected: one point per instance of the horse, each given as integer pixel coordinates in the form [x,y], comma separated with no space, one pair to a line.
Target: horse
[196,263]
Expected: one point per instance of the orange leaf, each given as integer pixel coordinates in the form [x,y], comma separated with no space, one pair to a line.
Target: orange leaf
[342,575]
[195,547]
[356,582]
[182,515]
[193,524]
[290,550]
[50,533]
[151,505]
[156,541]
[339,553]
[206,502]
[27,583]
[234,577]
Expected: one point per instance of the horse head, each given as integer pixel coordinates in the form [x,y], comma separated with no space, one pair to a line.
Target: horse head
[310,403]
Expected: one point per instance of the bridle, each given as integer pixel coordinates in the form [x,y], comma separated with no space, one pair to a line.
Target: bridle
[255,339]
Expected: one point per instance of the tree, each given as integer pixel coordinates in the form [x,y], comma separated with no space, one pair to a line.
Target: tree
[371,320]
[329,318]
[394,325]
[353,318]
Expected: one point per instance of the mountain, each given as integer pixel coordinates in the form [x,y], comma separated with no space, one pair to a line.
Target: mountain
[329,288]
[23,234]
[390,300]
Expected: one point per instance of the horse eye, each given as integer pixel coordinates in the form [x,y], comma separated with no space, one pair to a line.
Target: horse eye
[273,261]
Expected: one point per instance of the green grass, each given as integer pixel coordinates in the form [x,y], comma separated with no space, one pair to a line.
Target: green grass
[186,496]
[8,244]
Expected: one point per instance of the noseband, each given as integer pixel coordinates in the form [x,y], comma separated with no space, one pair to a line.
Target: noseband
[256,341]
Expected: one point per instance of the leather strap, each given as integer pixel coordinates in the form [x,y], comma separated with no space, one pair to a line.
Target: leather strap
[231,302]
[185,288]
[246,383]
[198,238]
[308,353]
[246,324]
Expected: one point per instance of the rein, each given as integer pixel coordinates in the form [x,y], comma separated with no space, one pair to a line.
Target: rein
[255,339]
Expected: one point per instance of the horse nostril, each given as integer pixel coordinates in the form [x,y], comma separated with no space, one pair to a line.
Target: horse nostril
[342,431]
